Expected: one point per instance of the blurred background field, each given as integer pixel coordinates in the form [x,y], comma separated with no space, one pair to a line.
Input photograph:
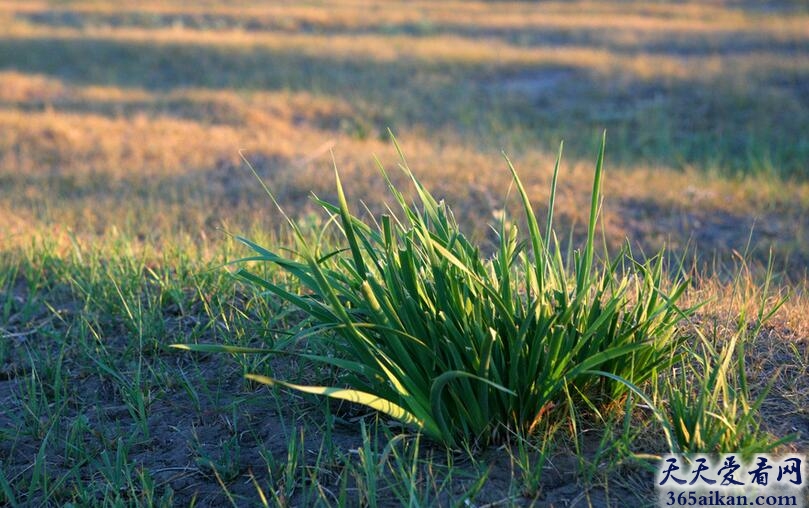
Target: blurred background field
[131,118]
[121,128]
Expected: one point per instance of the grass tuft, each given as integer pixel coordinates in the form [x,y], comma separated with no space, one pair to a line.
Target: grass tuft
[428,330]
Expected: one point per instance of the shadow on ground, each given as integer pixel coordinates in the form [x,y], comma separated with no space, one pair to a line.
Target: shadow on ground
[749,122]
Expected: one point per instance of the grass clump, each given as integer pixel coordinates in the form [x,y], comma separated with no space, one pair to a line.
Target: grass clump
[427,329]
[709,402]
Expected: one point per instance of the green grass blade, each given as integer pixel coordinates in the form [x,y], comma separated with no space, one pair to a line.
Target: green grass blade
[348,227]
[595,203]
[552,199]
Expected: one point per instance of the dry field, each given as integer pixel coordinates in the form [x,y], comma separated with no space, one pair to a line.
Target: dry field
[121,129]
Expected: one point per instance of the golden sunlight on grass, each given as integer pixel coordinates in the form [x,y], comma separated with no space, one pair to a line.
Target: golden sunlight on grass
[156,102]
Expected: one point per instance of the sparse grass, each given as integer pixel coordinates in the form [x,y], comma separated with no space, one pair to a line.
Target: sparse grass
[99,412]
[120,133]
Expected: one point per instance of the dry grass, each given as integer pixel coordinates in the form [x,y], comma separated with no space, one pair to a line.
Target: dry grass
[131,120]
